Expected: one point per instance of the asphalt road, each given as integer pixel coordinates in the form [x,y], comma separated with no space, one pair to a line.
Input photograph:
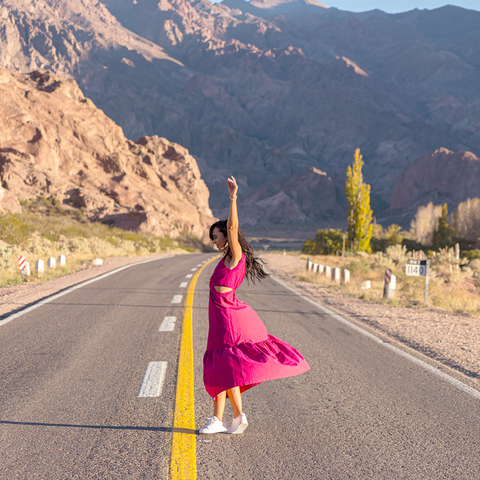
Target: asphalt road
[71,371]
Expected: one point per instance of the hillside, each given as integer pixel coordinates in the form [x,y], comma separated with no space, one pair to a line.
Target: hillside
[440,177]
[54,143]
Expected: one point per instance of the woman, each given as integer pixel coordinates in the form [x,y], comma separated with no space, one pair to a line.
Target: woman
[240,353]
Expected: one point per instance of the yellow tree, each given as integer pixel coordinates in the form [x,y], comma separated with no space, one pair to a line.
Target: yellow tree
[359,215]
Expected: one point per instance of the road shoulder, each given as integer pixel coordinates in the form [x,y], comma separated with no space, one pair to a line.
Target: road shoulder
[17,297]
[450,339]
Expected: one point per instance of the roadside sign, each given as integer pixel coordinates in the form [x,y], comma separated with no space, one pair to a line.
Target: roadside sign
[417,268]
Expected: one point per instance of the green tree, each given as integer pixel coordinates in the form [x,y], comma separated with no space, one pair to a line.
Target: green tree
[359,215]
[442,236]
[326,242]
[309,247]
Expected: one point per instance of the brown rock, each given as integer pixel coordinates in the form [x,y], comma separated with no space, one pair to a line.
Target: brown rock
[440,176]
[9,202]
[299,201]
[55,143]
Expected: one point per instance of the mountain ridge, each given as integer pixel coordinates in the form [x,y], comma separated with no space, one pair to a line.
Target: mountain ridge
[267,98]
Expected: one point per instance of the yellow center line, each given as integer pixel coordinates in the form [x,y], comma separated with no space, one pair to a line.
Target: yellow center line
[183,463]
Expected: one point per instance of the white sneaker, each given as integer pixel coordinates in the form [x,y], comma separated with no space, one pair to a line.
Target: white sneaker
[239,424]
[214,425]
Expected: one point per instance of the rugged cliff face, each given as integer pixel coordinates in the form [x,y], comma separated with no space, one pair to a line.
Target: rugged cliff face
[268,89]
[315,83]
[55,143]
[440,177]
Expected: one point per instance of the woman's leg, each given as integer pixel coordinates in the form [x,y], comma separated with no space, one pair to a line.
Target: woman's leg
[219,405]
[235,397]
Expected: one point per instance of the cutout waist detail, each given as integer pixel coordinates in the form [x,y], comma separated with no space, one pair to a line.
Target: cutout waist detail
[220,289]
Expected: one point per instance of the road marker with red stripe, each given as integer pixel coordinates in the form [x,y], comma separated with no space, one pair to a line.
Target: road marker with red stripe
[390,284]
[22,263]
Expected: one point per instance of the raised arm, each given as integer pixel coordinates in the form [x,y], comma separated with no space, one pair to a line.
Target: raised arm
[232,223]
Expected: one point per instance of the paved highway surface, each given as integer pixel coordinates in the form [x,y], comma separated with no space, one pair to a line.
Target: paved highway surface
[71,372]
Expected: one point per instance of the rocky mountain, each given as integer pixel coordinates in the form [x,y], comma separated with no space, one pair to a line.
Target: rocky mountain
[55,143]
[306,198]
[440,176]
[268,89]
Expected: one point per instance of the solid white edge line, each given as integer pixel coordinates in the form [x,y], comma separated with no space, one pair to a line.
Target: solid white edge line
[457,383]
[176,299]
[168,324]
[153,380]
[69,290]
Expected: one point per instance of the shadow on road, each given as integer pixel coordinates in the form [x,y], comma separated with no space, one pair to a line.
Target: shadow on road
[109,427]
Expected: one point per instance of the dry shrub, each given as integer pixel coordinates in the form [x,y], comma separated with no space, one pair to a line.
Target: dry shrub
[425,223]
[46,230]
[468,219]
[451,287]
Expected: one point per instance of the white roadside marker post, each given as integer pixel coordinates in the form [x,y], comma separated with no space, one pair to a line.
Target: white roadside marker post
[336,274]
[39,266]
[62,260]
[327,271]
[345,276]
[51,263]
[27,269]
[390,284]
[366,285]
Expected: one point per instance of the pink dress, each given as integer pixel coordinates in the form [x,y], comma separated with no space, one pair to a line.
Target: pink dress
[240,352]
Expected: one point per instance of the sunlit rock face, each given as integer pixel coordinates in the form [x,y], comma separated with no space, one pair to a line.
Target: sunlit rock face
[54,143]
[268,89]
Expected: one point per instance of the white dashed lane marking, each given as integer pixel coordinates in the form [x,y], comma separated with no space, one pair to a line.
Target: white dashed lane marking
[190,275]
[153,380]
[177,299]
[194,269]
[183,284]
[168,324]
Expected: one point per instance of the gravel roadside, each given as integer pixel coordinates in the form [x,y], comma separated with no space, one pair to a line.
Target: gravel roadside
[448,337]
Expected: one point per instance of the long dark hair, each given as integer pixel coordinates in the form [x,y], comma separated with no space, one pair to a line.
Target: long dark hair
[253,268]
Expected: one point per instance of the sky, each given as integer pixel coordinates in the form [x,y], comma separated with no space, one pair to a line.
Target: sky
[396,6]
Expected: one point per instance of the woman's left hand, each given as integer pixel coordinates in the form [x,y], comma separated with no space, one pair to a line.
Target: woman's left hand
[232,186]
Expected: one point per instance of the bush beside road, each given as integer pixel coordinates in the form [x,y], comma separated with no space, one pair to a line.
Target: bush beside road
[48,229]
